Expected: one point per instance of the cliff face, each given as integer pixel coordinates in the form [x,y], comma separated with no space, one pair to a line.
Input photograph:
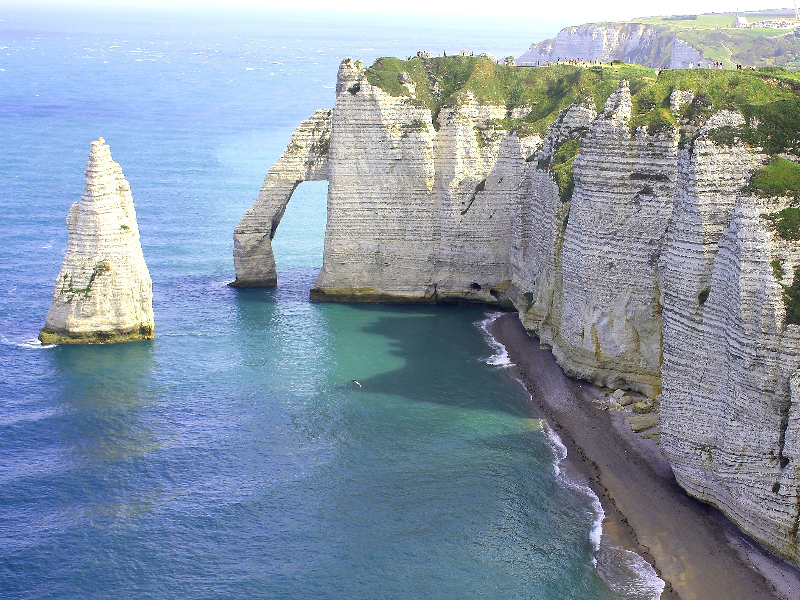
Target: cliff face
[413,211]
[624,237]
[603,319]
[103,292]
[629,42]
[406,198]
[403,222]
[381,180]
[729,414]
[537,234]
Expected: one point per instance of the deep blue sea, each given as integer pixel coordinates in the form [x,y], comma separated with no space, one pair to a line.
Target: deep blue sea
[233,457]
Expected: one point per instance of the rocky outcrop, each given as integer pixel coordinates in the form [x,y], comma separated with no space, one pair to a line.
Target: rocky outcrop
[305,159]
[630,42]
[103,292]
[596,302]
[628,246]
[729,413]
[684,56]
[418,208]
[591,43]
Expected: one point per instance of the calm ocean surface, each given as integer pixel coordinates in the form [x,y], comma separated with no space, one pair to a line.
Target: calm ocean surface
[232,457]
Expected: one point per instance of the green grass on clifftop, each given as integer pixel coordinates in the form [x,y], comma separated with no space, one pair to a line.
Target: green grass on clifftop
[713,35]
[768,97]
[445,81]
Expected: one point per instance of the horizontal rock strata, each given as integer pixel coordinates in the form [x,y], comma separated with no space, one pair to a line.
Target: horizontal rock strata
[408,197]
[603,320]
[103,292]
[729,414]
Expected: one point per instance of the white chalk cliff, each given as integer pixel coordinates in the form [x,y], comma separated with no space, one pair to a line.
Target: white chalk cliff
[657,272]
[630,42]
[103,292]
[594,297]
[402,197]
[730,421]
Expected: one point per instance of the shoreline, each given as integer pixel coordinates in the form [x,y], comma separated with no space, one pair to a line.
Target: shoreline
[693,547]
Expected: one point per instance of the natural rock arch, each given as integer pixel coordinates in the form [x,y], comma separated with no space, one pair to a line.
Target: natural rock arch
[305,159]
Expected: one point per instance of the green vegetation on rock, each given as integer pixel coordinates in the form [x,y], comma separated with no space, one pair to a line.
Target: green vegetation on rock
[767,97]
[780,177]
[777,269]
[562,168]
[445,82]
[786,222]
[528,300]
[774,126]
[791,299]
[322,147]
[71,293]
[417,124]
[143,332]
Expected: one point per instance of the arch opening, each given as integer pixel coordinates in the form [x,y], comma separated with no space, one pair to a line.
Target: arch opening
[300,240]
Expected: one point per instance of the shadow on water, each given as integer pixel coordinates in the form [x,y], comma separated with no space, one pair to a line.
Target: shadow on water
[441,351]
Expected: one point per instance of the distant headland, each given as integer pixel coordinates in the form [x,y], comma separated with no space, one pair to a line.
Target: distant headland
[769,38]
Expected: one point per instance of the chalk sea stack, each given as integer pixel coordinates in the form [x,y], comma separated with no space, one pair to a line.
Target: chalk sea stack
[103,292]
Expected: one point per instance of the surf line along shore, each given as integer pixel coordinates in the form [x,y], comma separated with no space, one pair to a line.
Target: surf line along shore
[698,553]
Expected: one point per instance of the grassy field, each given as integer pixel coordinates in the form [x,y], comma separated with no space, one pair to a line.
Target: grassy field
[718,20]
[713,35]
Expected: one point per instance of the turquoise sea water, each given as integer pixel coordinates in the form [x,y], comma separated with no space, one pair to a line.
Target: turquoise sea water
[233,457]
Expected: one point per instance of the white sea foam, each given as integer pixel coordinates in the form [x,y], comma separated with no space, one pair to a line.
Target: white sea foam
[560,453]
[31,344]
[626,573]
[500,356]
